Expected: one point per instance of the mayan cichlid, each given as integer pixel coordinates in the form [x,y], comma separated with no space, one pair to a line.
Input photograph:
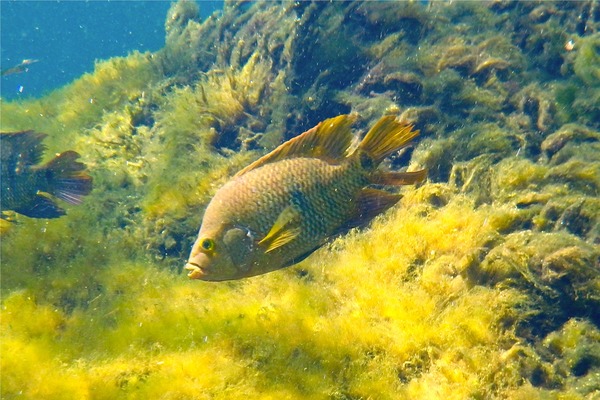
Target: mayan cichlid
[28,188]
[284,206]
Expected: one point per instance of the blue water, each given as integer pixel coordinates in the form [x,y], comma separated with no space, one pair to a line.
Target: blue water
[68,36]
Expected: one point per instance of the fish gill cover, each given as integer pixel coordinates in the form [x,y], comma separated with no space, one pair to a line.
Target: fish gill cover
[483,282]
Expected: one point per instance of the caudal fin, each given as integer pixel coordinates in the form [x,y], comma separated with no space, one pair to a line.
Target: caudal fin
[67,178]
[386,137]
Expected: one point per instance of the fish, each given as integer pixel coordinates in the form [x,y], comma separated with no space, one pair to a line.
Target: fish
[281,208]
[29,188]
[19,68]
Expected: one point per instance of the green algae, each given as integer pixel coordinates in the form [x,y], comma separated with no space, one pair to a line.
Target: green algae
[587,60]
[483,283]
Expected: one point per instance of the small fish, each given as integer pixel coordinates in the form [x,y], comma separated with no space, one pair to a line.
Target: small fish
[26,187]
[287,204]
[19,68]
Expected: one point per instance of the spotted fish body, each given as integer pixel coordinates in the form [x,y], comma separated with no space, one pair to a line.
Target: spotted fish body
[281,208]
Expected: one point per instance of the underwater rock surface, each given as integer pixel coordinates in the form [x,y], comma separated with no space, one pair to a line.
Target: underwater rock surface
[483,282]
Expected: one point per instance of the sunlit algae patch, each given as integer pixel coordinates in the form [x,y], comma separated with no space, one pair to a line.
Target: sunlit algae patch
[483,282]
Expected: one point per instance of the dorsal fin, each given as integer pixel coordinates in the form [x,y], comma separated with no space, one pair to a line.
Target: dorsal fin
[27,144]
[329,140]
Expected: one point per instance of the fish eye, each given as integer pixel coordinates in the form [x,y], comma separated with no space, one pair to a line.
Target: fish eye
[207,244]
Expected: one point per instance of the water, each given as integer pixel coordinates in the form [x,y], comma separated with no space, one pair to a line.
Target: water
[68,36]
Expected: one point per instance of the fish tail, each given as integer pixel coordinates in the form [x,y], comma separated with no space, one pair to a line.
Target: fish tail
[384,138]
[67,178]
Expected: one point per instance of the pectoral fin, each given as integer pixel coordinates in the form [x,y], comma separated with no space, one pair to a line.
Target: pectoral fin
[285,229]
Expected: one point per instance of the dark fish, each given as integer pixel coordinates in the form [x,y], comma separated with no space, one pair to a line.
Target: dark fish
[27,187]
[19,68]
[281,208]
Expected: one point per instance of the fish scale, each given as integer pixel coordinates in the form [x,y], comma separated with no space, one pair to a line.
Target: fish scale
[284,206]
[276,194]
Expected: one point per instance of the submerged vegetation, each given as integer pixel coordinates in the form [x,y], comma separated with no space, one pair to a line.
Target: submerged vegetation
[484,282]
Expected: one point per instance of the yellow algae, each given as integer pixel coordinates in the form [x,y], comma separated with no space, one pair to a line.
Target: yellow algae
[514,174]
[113,82]
[5,226]
[481,283]
[175,376]
[27,350]
[194,120]
[30,370]
[147,313]
[170,199]
[227,340]
[221,98]
[66,111]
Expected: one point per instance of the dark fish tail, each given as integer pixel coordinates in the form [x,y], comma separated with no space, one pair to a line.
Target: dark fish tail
[66,177]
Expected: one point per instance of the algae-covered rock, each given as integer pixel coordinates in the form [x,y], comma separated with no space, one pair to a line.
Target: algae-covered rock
[559,268]
[577,349]
[483,282]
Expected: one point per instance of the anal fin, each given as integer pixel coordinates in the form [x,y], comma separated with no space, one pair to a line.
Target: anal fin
[370,203]
[41,207]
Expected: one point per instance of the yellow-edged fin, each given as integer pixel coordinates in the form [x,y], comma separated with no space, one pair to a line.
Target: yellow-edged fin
[329,140]
[385,137]
[284,229]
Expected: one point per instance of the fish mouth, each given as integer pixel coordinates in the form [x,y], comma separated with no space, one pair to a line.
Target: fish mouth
[196,272]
